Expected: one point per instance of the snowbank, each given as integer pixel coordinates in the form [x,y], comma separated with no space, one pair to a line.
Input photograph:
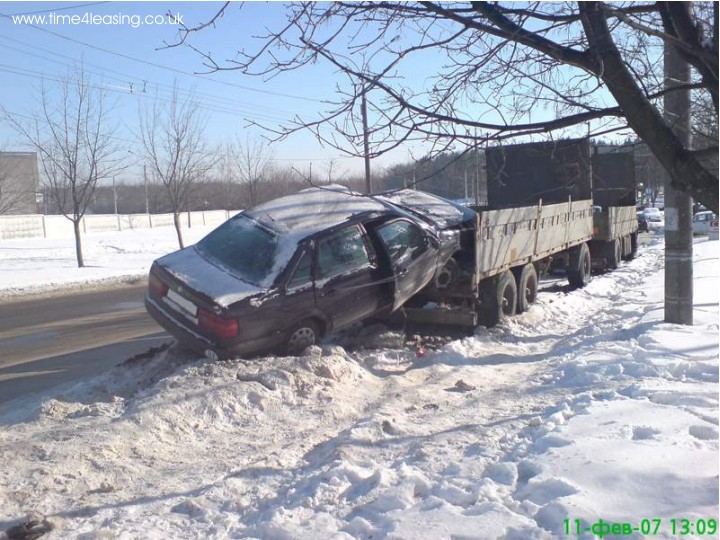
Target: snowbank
[587,407]
[48,266]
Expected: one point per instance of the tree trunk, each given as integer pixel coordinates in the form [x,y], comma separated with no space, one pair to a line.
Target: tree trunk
[78,243]
[685,170]
[176,221]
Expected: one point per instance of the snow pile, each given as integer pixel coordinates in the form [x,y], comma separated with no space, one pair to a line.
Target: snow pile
[586,407]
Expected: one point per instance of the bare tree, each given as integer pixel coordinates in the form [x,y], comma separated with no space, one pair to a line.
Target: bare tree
[74,140]
[173,138]
[227,178]
[252,162]
[334,172]
[509,70]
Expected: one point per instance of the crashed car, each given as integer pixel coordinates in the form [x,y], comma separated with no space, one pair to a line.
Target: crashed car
[280,276]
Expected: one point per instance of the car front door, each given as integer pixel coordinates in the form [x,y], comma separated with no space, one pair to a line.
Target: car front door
[347,284]
[413,256]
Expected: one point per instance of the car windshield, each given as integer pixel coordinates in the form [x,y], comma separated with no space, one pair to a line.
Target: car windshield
[243,248]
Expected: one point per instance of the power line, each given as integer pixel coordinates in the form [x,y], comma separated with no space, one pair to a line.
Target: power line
[130,141]
[142,82]
[24,72]
[160,66]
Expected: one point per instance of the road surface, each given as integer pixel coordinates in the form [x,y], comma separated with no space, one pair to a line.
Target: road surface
[45,342]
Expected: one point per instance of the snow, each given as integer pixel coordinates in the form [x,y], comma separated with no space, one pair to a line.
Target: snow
[440,211]
[192,269]
[43,266]
[586,407]
[314,209]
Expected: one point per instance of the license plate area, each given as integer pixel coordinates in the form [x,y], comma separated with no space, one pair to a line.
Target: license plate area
[181,305]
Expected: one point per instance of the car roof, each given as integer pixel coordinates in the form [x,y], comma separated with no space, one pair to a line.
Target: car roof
[314,210]
[437,210]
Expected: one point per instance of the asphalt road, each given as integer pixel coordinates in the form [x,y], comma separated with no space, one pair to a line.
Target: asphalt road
[45,342]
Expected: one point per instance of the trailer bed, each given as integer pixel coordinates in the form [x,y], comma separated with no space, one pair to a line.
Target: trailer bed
[614,222]
[516,236]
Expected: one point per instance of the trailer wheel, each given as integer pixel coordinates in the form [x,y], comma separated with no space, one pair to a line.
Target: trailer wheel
[527,286]
[579,266]
[633,247]
[498,299]
[613,254]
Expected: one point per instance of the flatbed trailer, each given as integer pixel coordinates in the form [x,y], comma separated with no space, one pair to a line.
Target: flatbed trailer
[540,210]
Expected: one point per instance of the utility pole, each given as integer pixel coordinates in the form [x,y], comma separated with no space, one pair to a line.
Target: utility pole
[678,206]
[147,197]
[366,143]
[117,216]
[114,195]
[477,171]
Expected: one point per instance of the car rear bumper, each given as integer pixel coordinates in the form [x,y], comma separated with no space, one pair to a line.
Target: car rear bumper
[200,344]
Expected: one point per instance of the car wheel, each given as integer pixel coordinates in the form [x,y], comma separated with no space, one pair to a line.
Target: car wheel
[498,299]
[527,285]
[579,267]
[446,276]
[303,335]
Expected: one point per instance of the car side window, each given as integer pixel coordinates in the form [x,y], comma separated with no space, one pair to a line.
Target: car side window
[403,239]
[303,273]
[342,252]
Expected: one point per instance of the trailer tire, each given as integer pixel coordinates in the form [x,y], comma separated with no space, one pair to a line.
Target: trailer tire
[498,299]
[527,286]
[633,247]
[579,266]
[613,254]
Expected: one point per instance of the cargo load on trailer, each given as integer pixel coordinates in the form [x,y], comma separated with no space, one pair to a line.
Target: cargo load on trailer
[615,224]
[540,210]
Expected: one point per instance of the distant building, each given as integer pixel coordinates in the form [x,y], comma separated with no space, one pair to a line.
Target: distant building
[19,180]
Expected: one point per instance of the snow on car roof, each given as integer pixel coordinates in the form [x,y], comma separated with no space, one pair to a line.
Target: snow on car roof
[439,210]
[313,210]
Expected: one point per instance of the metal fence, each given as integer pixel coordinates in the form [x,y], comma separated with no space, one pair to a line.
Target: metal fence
[41,226]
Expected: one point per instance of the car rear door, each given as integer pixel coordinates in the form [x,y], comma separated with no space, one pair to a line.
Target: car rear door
[413,256]
[348,287]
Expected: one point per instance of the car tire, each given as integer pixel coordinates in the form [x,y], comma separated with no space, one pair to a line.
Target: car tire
[579,266]
[498,299]
[527,286]
[303,335]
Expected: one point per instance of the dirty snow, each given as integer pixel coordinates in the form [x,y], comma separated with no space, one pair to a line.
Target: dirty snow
[586,407]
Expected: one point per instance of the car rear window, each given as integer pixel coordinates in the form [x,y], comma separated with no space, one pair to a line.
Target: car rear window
[243,248]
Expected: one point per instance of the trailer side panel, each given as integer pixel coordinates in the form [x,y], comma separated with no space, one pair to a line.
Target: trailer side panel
[516,236]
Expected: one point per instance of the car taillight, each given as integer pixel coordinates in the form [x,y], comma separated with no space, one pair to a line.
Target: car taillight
[224,328]
[156,286]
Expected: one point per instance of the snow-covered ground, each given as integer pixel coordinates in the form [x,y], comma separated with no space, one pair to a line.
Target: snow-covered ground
[41,266]
[587,407]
